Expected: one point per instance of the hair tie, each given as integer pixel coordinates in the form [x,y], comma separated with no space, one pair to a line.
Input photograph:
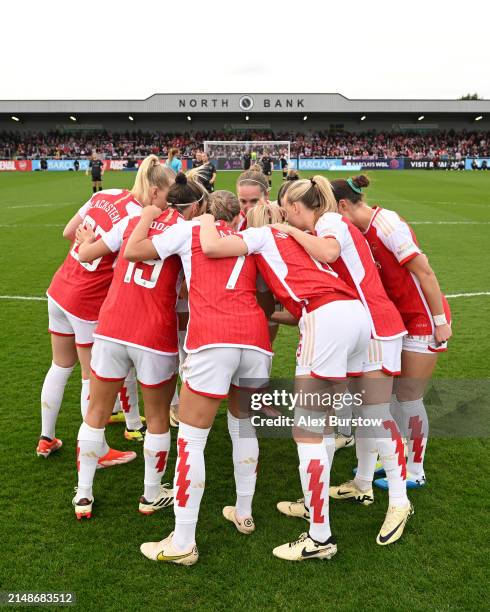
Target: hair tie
[353,186]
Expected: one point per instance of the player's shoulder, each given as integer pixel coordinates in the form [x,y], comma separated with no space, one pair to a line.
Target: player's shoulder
[329,220]
[387,221]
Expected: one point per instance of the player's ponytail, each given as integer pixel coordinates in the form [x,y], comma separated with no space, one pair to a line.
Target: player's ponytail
[256,178]
[314,193]
[258,216]
[350,189]
[151,173]
[223,205]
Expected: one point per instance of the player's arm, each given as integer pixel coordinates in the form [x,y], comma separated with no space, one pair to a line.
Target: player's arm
[420,267]
[213,176]
[325,250]
[139,247]
[71,227]
[213,245]
[284,317]
[89,247]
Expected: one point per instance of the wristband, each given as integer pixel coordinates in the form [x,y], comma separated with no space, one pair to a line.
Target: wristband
[439,319]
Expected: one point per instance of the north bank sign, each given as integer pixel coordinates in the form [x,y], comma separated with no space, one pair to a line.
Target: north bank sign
[240,103]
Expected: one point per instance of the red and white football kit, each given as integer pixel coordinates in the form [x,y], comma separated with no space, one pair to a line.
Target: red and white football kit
[137,321]
[78,289]
[355,265]
[393,244]
[227,334]
[242,221]
[333,323]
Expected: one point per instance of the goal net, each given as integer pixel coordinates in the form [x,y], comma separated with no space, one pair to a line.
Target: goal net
[231,154]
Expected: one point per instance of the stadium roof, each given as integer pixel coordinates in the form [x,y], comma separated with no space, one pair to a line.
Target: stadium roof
[239,103]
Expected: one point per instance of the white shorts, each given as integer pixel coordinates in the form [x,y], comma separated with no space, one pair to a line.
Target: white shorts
[62,323]
[212,371]
[333,340]
[112,361]
[423,344]
[385,355]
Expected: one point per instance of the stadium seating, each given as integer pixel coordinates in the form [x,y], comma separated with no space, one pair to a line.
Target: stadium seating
[450,144]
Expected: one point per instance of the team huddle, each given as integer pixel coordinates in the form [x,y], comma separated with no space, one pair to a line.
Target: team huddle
[168,279]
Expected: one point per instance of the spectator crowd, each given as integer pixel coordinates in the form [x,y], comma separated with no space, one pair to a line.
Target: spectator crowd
[124,145]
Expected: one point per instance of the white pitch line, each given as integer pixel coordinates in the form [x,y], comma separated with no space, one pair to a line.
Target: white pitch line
[27,226]
[448,222]
[458,295]
[44,299]
[30,298]
[30,206]
[38,205]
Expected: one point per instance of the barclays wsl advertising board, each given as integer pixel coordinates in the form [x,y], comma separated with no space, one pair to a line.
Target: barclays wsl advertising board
[355,164]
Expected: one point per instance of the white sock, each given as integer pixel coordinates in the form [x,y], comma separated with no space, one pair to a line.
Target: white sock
[315,473]
[345,414]
[89,450]
[396,413]
[84,402]
[128,396]
[84,397]
[329,441]
[189,481]
[156,448]
[390,448]
[416,425]
[51,398]
[245,462]
[117,406]
[366,453]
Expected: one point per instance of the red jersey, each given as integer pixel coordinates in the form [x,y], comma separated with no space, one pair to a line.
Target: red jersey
[242,221]
[296,279]
[393,244]
[139,309]
[80,288]
[223,310]
[357,268]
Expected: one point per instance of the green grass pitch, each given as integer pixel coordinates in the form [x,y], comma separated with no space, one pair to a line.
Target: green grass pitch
[438,565]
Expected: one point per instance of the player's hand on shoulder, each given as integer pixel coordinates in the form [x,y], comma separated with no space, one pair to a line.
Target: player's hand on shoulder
[442,333]
[282,227]
[84,234]
[150,213]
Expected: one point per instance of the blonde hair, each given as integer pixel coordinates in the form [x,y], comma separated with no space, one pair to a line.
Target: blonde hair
[151,174]
[254,177]
[315,193]
[223,205]
[265,214]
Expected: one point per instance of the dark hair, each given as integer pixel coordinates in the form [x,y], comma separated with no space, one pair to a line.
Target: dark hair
[185,191]
[350,189]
